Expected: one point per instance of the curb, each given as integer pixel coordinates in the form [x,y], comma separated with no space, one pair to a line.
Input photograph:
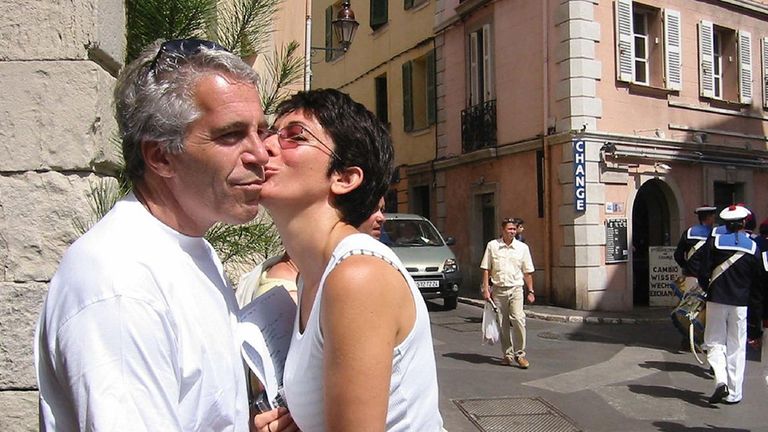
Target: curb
[578,319]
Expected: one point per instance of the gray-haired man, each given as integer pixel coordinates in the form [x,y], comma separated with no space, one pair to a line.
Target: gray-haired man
[137,331]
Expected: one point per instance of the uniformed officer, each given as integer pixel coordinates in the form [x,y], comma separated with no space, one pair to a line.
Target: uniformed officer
[731,273]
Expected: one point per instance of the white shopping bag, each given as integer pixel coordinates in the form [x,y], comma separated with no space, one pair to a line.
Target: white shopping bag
[490,325]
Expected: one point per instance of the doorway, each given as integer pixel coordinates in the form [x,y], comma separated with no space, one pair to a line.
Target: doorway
[650,227]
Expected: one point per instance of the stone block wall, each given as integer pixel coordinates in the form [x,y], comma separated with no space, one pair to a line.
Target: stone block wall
[58,62]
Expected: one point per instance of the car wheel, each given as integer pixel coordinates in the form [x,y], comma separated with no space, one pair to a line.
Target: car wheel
[449,303]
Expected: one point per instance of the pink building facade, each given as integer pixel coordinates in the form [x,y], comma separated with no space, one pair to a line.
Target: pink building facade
[602,124]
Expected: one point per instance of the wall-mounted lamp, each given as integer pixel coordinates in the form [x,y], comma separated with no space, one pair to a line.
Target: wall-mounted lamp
[661,166]
[344,27]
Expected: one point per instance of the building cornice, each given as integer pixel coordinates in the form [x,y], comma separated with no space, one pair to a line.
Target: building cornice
[749,5]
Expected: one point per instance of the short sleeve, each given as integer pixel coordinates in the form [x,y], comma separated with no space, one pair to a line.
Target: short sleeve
[485,263]
[528,262]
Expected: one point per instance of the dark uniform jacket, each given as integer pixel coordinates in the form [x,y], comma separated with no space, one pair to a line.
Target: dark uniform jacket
[688,253]
[741,283]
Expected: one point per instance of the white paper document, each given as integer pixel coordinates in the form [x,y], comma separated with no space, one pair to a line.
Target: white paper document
[265,329]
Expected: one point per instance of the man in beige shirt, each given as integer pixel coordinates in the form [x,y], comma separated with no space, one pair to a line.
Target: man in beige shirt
[507,263]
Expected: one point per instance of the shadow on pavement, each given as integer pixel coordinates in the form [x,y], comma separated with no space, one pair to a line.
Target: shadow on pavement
[677,427]
[690,396]
[668,366]
[474,358]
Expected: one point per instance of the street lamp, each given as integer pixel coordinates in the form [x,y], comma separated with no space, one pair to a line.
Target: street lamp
[344,26]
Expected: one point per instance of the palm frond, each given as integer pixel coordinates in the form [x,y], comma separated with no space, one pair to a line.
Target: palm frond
[244,26]
[244,244]
[149,20]
[285,67]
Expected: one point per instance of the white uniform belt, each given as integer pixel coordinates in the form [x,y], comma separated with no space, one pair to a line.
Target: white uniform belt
[725,265]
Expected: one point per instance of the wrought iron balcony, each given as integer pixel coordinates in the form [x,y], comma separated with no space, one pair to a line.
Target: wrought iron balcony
[478,126]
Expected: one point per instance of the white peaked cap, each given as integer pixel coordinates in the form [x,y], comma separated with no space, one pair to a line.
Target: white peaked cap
[734,213]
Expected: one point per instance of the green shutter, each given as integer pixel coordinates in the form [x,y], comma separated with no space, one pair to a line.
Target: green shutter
[328,32]
[407,97]
[431,89]
[408,4]
[379,13]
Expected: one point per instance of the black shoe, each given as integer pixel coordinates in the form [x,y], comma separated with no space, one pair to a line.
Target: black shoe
[720,392]
[727,402]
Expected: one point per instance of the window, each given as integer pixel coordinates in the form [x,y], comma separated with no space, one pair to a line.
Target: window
[331,39]
[480,66]
[410,4]
[640,21]
[725,59]
[419,106]
[648,45]
[382,107]
[379,13]
[728,193]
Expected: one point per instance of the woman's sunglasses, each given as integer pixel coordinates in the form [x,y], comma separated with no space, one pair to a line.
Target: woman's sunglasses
[292,136]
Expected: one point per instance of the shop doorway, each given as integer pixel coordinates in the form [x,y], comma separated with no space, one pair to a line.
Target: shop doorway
[651,220]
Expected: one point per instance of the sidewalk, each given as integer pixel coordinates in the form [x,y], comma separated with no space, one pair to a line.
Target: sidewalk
[639,315]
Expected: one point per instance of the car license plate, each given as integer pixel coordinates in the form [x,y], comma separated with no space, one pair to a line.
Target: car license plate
[428,284]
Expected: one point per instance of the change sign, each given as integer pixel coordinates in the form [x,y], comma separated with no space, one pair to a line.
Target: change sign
[579,176]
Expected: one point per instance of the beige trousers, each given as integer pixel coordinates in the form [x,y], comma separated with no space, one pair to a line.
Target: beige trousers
[509,300]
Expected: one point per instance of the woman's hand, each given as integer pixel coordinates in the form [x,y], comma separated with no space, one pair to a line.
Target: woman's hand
[276,420]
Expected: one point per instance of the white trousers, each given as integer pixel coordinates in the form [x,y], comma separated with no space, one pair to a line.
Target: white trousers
[725,337]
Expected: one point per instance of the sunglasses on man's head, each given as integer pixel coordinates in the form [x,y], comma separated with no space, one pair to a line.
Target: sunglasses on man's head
[184,48]
[292,136]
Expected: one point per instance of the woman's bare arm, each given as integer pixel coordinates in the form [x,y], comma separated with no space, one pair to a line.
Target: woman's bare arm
[367,310]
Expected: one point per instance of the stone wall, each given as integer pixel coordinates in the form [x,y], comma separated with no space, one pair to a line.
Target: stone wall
[58,60]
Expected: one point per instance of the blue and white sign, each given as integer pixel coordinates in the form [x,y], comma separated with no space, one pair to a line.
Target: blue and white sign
[579,175]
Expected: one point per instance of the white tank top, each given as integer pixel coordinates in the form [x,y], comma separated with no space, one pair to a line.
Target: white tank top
[413,398]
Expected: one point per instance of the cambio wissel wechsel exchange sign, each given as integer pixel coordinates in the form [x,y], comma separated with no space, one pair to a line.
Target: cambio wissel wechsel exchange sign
[579,176]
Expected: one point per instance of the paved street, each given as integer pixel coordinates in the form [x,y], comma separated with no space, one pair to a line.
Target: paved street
[588,377]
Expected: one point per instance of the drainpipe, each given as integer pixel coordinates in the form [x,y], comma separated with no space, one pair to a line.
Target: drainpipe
[308,45]
[547,156]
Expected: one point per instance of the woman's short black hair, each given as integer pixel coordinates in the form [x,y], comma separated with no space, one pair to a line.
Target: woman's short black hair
[360,140]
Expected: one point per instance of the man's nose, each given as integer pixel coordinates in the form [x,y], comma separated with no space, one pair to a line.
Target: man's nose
[257,151]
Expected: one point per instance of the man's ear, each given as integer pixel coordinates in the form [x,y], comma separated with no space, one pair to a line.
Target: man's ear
[156,159]
[346,180]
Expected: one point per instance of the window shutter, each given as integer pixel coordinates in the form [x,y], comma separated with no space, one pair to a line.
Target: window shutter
[625,65]
[487,56]
[745,67]
[765,72]
[328,33]
[407,4]
[407,96]
[431,89]
[379,13]
[474,79]
[672,50]
[706,59]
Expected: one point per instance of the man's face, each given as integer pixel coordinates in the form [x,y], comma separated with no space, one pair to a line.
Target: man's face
[508,231]
[373,224]
[218,176]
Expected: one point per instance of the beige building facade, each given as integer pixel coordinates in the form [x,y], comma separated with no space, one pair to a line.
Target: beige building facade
[390,68]
[602,124]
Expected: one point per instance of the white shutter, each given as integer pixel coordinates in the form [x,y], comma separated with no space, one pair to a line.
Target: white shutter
[474,83]
[745,67]
[706,59]
[765,72]
[672,50]
[625,65]
[487,66]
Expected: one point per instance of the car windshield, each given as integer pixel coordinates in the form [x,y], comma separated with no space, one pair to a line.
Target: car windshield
[399,232]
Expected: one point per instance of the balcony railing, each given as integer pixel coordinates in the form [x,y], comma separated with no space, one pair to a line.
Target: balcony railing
[478,126]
